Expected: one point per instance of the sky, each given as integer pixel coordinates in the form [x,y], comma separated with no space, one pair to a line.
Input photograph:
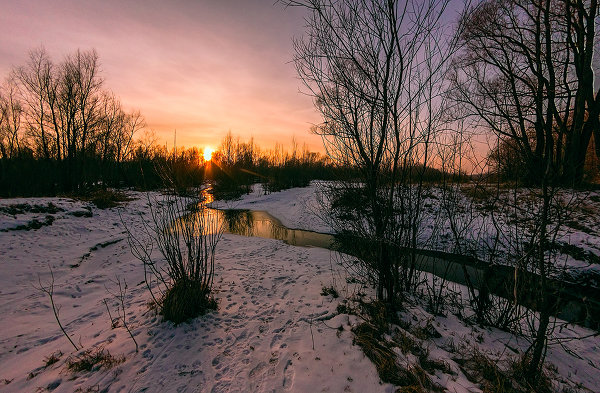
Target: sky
[201,67]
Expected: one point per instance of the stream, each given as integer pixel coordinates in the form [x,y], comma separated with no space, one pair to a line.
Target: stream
[571,302]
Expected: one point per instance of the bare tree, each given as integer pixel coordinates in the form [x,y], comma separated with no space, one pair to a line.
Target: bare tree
[11,113]
[228,149]
[70,118]
[113,140]
[527,72]
[38,90]
[374,69]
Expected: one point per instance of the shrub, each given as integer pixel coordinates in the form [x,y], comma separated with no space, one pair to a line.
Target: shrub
[186,300]
[186,234]
[104,199]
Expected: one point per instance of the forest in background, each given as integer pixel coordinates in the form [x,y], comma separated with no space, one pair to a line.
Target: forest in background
[63,132]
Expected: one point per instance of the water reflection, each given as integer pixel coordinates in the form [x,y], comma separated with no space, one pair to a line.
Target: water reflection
[207,196]
[262,224]
[239,222]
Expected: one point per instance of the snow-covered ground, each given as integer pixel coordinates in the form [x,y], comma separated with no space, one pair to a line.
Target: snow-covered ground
[259,340]
[273,330]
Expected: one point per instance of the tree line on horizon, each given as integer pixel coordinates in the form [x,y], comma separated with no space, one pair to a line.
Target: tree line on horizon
[60,128]
[63,132]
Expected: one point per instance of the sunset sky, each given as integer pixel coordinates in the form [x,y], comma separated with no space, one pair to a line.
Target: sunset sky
[202,67]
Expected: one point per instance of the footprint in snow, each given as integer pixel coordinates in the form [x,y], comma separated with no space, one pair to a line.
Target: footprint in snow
[288,375]
[257,369]
[275,340]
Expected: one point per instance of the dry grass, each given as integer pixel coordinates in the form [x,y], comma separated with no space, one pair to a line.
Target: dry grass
[92,360]
[381,353]
[370,336]
[406,343]
[52,358]
[383,357]
[426,332]
[326,291]
[104,199]
[481,369]
[380,314]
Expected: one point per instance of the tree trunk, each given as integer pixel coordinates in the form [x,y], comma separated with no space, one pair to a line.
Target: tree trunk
[539,346]
[540,341]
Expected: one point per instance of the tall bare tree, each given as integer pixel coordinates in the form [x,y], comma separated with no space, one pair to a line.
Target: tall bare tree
[527,72]
[11,112]
[71,119]
[374,69]
[38,90]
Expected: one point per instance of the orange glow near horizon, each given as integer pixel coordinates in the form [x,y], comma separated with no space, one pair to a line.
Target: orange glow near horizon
[201,67]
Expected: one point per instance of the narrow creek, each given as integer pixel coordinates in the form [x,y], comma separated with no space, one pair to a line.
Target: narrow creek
[572,302]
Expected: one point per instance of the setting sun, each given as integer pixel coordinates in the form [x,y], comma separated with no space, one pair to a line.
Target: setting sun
[208,152]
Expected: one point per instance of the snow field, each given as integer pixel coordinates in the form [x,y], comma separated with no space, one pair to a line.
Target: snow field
[258,341]
[261,339]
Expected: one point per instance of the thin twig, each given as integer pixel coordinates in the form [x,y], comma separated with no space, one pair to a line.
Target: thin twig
[49,290]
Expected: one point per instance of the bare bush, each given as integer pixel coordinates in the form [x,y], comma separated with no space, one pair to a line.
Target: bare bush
[185,233]
[121,310]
